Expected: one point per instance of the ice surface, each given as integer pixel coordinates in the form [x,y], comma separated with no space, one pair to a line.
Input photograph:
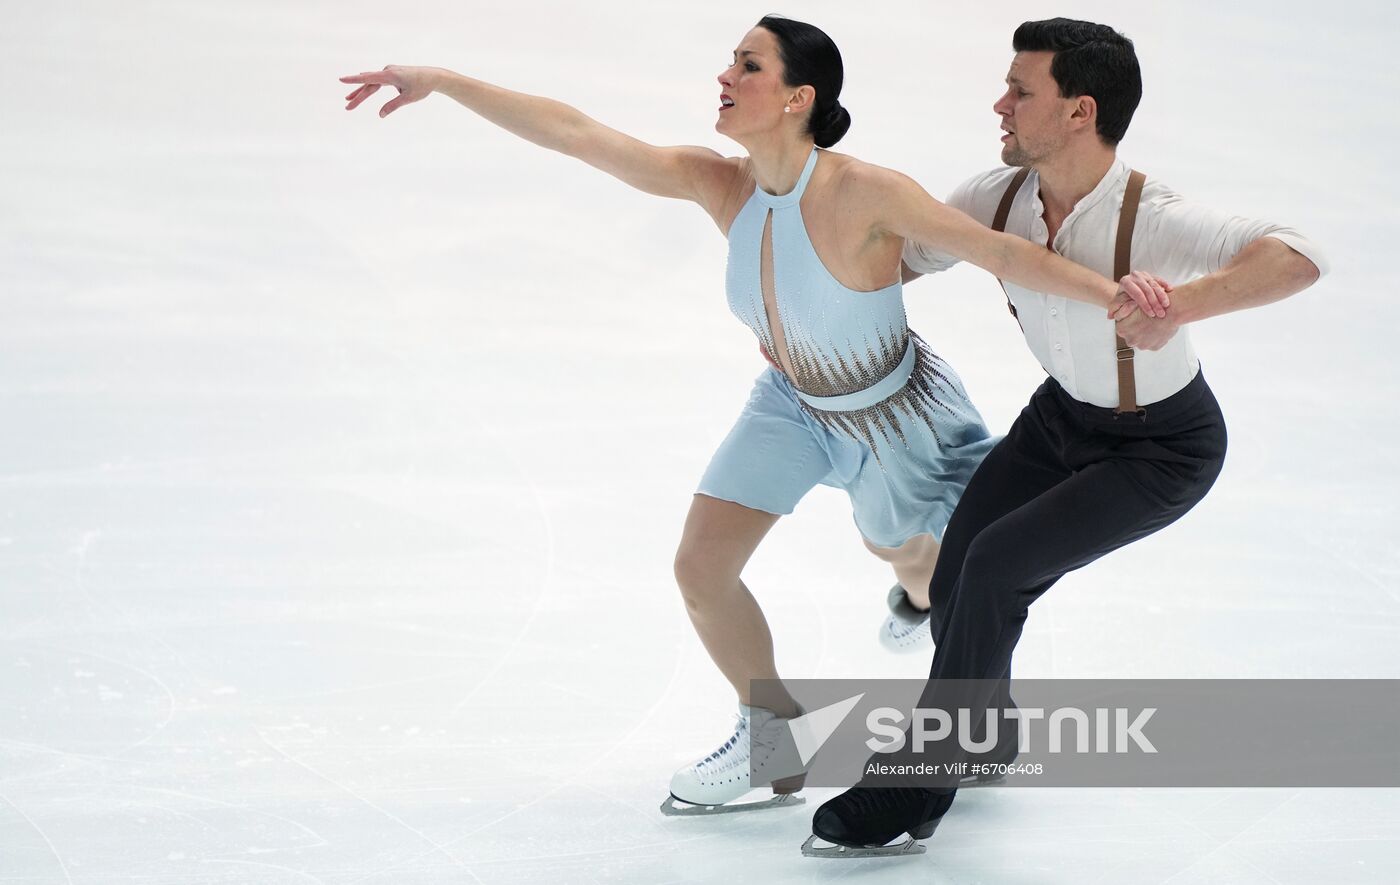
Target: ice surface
[344,458]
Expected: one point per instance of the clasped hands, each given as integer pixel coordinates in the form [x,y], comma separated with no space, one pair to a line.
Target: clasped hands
[1141,311]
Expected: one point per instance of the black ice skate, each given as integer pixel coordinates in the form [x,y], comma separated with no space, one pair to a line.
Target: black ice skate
[863,821]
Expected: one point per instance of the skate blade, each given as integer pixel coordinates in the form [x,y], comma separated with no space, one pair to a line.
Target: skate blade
[907,848]
[674,807]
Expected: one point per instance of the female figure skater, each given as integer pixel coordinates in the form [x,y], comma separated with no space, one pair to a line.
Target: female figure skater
[853,398]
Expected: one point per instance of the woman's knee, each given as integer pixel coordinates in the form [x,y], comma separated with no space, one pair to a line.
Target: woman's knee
[718,540]
[690,568]
[701,575]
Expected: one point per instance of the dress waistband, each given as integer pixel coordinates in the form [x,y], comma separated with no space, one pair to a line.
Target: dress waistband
[878,392]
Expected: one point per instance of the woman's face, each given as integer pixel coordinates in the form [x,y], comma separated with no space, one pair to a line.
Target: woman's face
[752,94]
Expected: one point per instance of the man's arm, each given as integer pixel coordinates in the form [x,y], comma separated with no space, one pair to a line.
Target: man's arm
[1265,271]
[1225,263]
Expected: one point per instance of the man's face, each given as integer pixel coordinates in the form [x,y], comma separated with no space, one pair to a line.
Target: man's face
[1034,116]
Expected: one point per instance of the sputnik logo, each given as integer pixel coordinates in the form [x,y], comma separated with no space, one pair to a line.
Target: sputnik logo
[811,730]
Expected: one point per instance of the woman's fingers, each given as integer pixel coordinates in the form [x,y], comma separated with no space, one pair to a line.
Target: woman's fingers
[391,106]
[358,96]
[1130,286]
[1144,289]
[1159,288]
[371,81]
[1153,295]
[378,78]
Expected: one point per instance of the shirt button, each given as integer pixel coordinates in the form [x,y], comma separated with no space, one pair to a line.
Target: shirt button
[1054,312]
[1059,347]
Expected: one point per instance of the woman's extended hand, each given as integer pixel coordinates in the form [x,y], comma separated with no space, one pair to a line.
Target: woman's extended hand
[413,84]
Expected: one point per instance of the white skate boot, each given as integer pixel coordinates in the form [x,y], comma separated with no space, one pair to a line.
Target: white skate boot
[706,786]
[907,629]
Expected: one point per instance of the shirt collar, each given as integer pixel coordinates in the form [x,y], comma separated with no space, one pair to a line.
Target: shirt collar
[1116,173]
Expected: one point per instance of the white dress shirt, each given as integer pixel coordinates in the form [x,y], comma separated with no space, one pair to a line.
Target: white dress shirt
[1175,239]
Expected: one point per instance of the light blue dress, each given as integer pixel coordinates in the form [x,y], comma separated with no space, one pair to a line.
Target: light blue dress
[871,409]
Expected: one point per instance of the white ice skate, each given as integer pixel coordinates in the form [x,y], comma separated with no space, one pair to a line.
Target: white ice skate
[709,785]
[907,629]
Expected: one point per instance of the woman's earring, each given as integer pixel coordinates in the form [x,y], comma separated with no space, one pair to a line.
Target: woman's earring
[787,110]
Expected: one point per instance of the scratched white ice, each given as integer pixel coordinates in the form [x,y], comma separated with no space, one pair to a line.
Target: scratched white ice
[343,459]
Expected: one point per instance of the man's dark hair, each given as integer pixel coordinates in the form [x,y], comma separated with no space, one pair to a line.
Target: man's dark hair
[1092,60]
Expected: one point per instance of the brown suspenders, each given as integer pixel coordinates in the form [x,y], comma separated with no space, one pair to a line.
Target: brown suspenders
[999,225]
[1122,264]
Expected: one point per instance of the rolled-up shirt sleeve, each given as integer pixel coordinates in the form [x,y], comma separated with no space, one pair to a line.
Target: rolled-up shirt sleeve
[922,258]
[1187,240]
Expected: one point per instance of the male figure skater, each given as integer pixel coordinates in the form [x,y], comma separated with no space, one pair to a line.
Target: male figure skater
[1125,436]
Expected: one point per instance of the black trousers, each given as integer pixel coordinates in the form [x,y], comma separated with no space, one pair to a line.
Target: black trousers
[1069,483]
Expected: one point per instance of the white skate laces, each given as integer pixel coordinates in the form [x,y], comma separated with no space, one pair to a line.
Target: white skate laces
[760,753]
[906,629]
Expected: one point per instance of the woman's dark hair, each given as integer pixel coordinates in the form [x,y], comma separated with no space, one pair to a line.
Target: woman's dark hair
[810,58]
[1092,60]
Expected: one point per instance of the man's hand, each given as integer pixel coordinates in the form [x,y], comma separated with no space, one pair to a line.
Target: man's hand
[1141,290]
[1143,332]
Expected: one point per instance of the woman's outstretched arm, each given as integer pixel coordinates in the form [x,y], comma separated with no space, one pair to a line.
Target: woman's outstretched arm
[909,211]
[687,173]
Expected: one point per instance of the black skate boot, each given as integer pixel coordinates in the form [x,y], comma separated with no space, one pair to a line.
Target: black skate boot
[862,821]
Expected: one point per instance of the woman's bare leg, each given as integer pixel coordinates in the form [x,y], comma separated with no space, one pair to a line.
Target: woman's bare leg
[913,563]
[718,539]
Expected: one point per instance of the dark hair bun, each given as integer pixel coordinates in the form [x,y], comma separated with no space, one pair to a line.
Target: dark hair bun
[832,127]
[811,59]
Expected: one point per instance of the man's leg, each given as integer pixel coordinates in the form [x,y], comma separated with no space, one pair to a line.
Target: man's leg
[1021,467]
[1018,557]
[1129,480]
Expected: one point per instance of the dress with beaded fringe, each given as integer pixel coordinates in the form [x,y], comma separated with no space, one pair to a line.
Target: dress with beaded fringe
[869,408]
